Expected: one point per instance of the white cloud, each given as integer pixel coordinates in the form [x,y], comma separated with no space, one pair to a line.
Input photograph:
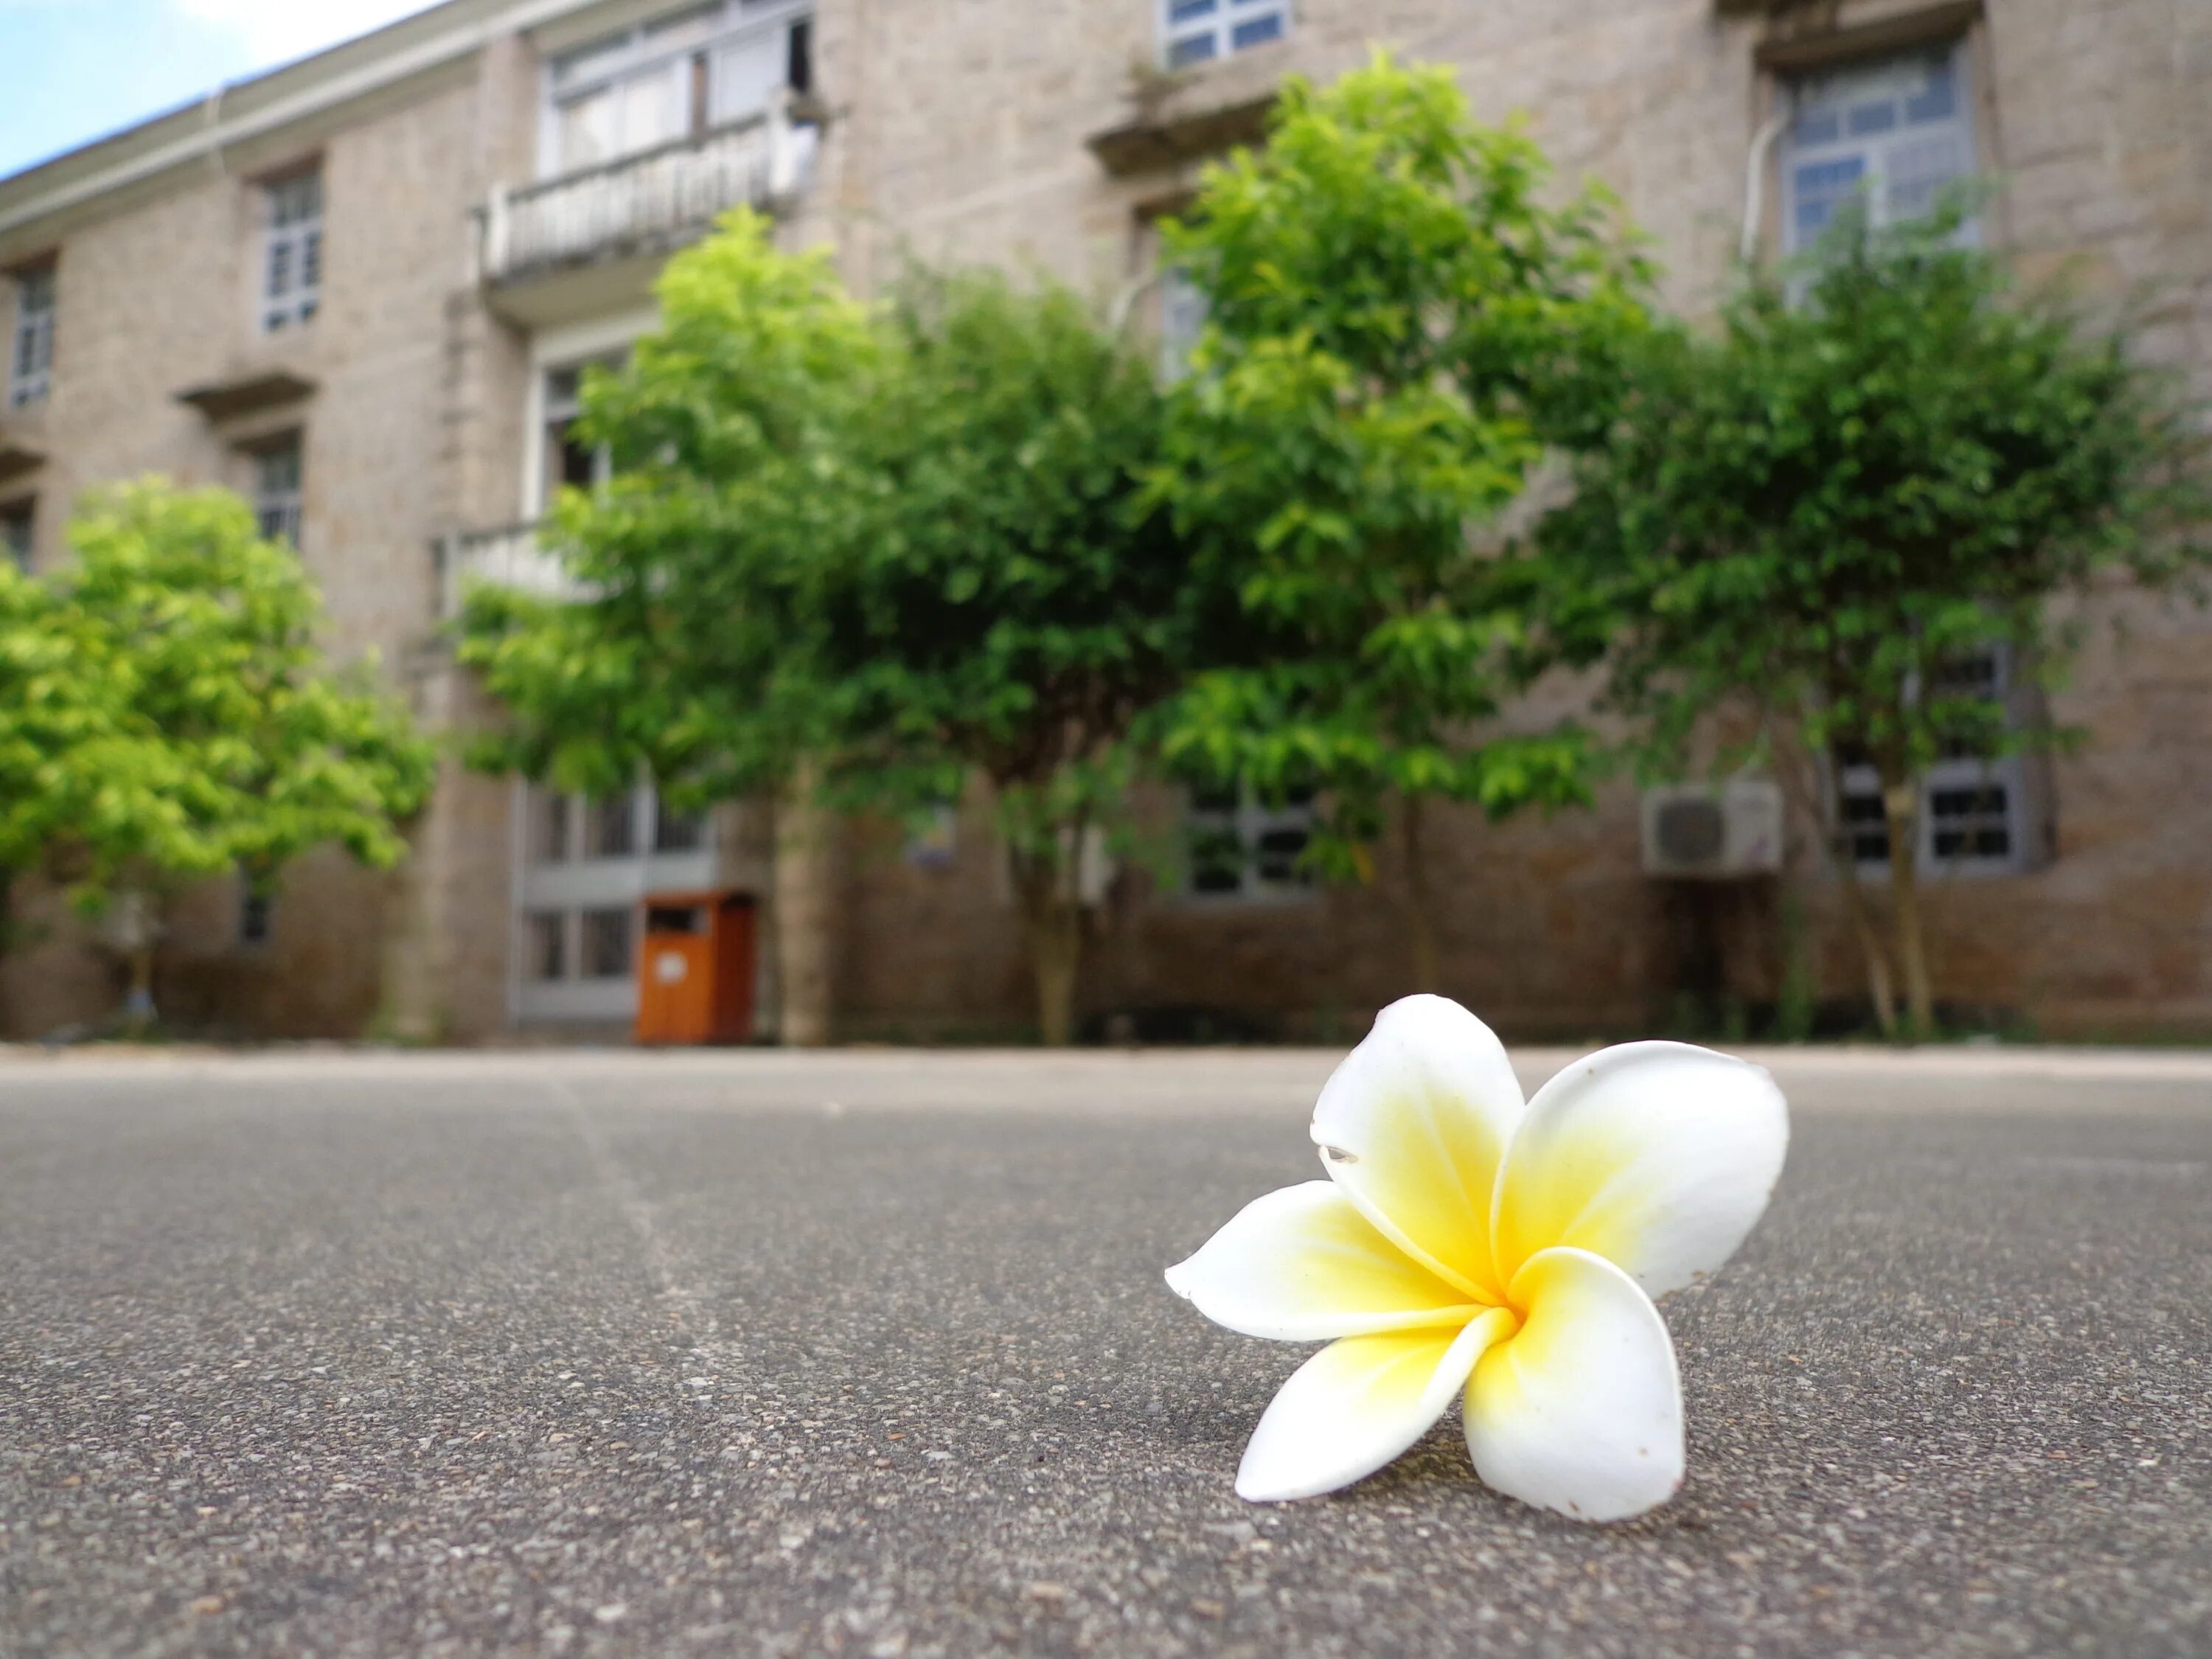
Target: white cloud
[272,31]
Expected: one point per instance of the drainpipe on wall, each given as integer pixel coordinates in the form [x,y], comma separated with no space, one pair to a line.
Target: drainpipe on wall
[1754,183]
[212,120]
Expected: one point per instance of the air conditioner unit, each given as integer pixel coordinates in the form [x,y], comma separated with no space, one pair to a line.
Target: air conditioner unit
[1713,831]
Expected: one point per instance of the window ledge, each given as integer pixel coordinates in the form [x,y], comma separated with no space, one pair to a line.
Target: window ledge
[21,449]
[1157,141]
[1818,47]
[247,392]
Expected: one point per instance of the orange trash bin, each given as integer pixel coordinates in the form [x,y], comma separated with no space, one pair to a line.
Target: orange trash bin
[694,981]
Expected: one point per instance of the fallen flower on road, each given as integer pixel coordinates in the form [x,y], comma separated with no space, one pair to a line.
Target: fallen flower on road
[1465,1242]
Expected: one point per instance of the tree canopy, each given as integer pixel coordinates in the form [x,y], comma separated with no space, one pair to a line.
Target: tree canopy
[1873,468]
[166,712]
[882,549]
[1399,328]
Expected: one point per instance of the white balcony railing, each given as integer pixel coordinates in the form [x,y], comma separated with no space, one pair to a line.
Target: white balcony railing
[507,557]
[647,201]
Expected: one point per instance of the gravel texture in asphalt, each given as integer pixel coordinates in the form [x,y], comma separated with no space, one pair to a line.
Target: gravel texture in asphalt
[869,1354]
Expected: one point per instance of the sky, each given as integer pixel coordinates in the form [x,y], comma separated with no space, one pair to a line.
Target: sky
[72,70]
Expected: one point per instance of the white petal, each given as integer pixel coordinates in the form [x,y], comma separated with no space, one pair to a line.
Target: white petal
[1412,1126]
[1657,1156]
[1359,1404]
[1582,1410]
[1301,1265]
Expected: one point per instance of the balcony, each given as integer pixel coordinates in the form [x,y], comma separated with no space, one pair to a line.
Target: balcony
[510,556]
[632,212]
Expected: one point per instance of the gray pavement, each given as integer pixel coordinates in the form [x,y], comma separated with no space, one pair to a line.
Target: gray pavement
[868,1353]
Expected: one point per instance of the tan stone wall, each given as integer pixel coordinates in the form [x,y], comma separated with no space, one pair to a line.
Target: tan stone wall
[159,297]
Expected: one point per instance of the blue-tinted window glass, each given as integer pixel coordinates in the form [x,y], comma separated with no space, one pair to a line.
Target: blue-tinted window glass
[1873,118]
[1816,126]
[1182,11]
[1260,30]
[1196,50]
[1940,101]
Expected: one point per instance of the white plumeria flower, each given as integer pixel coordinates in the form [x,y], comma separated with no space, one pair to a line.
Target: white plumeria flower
[1466,1242]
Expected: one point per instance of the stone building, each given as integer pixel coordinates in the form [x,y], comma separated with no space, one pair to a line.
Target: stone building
[358,289]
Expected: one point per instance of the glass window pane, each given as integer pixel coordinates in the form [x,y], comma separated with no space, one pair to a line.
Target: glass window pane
[1192,49]
[748,74]
[1816,126]
[1869,118]
[546,946]
[651,112]
[677,831]
[549,827]
[587,131]
[606,943]
[1939,100]
[1917,171]
[1257,30]
[589,62]
[1182,11]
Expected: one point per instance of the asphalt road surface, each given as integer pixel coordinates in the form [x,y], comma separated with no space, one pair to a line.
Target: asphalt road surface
[869,1354]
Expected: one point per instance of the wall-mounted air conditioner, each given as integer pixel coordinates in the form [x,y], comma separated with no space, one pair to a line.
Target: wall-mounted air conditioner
[1713,831]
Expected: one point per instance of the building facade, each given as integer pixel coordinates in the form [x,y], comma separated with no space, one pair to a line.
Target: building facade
[361,289]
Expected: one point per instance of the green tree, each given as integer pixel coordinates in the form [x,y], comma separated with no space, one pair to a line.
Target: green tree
[1398,329]
[167,714]
[872,552]
[1874,469]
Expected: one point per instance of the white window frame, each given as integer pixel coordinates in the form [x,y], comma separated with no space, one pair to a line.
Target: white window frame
[1183,310]
[1198,31]
[586,920]
[1249,821]
[603,339]
[19,530]
[584,880]
[31,341]
[559,408]
[2020,816]
[652,48]
[278,507]
[292,210]
[1876,153]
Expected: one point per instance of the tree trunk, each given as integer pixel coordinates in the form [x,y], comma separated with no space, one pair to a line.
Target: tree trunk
[138,1012]
[1835,846]
[1900,802]
[1052,919]
[1880,986]
[802,920]
[1420,915]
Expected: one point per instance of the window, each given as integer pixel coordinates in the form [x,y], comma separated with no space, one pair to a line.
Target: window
[257,913]
[568,460]
[18,527]
[546,941]
[1236,845]
[292,262]
[611,827]
[675,831]
[31,358]
[1182,319]
[1197,31]
[676,78]
[276,494]
[1895,131]
[548,828]
[606,943]
[1974,812]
